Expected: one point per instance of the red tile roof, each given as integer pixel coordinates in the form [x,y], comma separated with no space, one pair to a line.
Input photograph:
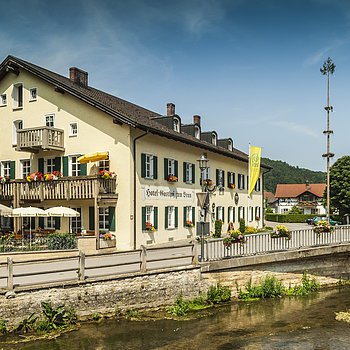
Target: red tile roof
[295,190]
[270,197]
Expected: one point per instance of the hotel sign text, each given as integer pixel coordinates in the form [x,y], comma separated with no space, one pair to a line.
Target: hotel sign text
[167,193]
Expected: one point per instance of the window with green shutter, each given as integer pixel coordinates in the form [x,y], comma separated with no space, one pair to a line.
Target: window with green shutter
[143,165]
[65,165]
[91,218]
[12,170]
[41,165]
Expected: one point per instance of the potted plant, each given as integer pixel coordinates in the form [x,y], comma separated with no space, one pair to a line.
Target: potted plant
[105,174]
[107,239]
[150,227]
[34,177]
[322,226]
[232,237]
[172,178]
[189,223]
[281,231]
[4,179]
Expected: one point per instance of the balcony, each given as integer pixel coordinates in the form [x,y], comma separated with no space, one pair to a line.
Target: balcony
[66,188]
[41,138]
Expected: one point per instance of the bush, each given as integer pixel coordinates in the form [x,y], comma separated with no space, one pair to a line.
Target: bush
[296,218]
[307,286]
[61,241]
[295,210]
[218,229]
[242,225]
[250,230]
[57,317]
[218,294]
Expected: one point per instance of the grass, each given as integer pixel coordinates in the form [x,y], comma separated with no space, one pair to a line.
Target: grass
[271,287]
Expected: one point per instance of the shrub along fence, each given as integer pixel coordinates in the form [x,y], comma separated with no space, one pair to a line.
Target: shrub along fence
[295,218]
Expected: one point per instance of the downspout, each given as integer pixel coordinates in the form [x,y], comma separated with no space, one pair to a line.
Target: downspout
[263,197]
[135,171]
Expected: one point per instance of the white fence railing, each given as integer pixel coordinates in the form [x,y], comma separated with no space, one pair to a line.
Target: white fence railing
[262,243]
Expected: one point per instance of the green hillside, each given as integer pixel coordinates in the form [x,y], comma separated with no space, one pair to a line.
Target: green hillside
[282,172]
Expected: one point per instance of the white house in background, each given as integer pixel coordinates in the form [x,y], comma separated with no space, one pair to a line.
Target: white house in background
[307,197]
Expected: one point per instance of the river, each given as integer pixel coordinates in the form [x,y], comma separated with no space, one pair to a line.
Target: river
[288,323]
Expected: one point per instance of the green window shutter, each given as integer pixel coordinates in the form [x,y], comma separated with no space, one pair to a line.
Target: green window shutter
[176,168]
[217,213]
[234,214]
[223,178]
[229,178]
[217,177]
[233,178]
[41,165]
[111,218]
[57,166]
[143,165]
[155,167]
[184,171]
[228,215]
[193,215]
[166,169]
[91,218]
[155,216]
[176,217]
[83,169]
[185,215]
[223,214]
[143,218]
[41,222]
[166,217]
[65,165]
[239,213]
[12,170]
[193,174]
[57,223]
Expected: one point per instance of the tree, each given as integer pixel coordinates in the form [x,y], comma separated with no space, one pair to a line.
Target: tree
[295,210]
[340,185]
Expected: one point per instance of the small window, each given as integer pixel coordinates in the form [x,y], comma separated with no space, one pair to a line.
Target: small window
[104,164]
[103,218]
[220,215]
[25,164]
[176,125]
[149,166]
[49,222]
[240,181]
[49,165]
[205,174]
[189,172]
[74,166]
[18,96]
[197,132]
[3,100]
[6,169]
[213,139]
[17,125]
[73,129]
[171,217]
[50,120]
[230,147]
[32,94]
[150,215]
[171,167]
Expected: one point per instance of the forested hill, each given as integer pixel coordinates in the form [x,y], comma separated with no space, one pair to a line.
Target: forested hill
[284,173]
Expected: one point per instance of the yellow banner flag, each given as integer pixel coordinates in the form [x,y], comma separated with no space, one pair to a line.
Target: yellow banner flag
[254,166]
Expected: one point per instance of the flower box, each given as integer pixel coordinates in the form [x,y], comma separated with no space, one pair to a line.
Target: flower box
[172,178]
[280,232]
[34,177]
[52,176]
[108,243]
[232,186]
[189,223]
[105,174]
[323,227]
[150,227]
[234,237]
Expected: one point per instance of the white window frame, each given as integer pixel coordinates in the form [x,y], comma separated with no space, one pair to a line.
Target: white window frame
[103,218]
[189,169]
[176,125]
[104,164]
[50,119]
[76,172]
[197,132]
[49,165]
[213,139]
[241,179]
[73,129]
[150,214]
[230,145]
[230,214]
[251,214]
[15,96]
[5,168]
[171,166]
[77,222]
[220,212]
[189,213]
[25,173]
[31,98]
[205,174]
[221,177]
[171,217]
[3,100]
[16,125]
[49,222]
[240,213]
[149,166]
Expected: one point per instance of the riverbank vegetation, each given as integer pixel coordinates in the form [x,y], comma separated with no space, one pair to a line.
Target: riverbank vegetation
[271,287]
[215,295]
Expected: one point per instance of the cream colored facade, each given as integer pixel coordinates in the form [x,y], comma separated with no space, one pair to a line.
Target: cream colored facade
[98,133]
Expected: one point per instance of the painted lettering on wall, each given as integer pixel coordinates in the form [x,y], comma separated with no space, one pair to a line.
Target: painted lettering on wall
[160,192]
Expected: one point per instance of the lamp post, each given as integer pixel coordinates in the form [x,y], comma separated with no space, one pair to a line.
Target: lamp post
[203,165]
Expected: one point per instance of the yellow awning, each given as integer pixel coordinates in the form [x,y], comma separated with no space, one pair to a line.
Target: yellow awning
[93,157]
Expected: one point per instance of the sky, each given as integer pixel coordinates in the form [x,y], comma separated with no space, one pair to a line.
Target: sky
[250,68]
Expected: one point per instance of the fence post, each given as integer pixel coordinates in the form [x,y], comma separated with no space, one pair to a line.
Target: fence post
[81,274]
[143,258]
[194,253]
[9,273]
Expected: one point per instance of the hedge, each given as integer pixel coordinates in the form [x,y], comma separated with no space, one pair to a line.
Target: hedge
[296,218]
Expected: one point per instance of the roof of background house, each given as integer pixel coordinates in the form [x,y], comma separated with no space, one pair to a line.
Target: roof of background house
[295,190]
[122,111]
[269,196]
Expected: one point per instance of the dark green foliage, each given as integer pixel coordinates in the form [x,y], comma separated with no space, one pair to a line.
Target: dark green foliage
[180,308]
[307,286]
[242,225]
[60,241]
[27,324]
[218,229]
[96,316]
[340,185]
[299,218]
[3,326]
[218,294]
[58,317]
[295,211]
[284,173]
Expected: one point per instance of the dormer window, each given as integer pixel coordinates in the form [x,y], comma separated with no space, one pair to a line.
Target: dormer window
[230,146]
[176,125]
[213,139]
[197,132]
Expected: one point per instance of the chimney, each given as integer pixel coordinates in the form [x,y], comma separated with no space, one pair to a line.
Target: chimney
[170,109]
[197,119]
[78,76]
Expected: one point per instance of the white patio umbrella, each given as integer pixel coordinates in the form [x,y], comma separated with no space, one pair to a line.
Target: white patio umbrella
[28,212]
[63,212]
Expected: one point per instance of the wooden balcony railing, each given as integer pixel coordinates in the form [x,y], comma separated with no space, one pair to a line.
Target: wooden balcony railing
[66,188]
[40,138]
